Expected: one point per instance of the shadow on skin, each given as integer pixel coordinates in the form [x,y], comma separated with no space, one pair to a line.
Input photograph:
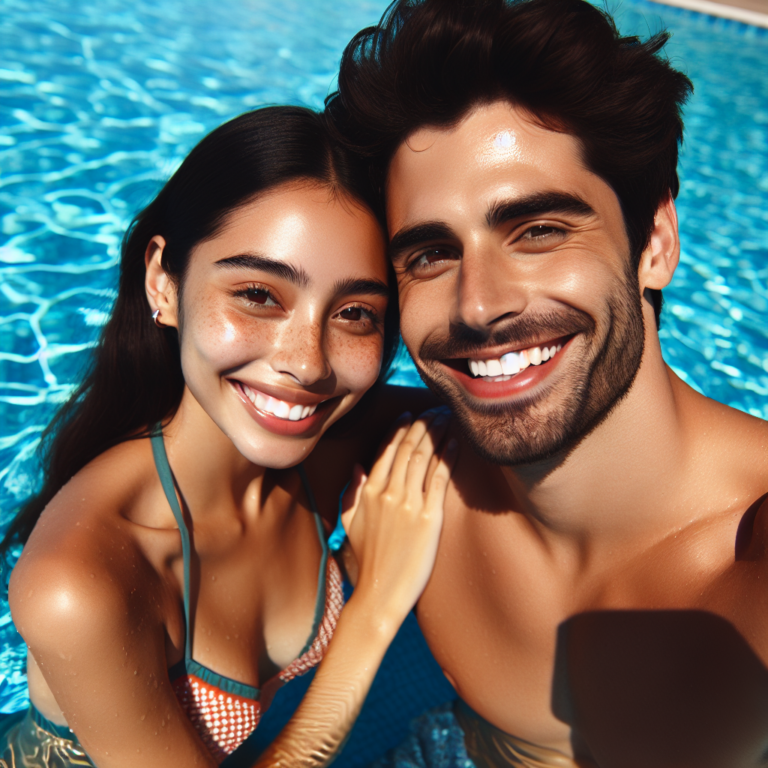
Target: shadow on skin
[661,689]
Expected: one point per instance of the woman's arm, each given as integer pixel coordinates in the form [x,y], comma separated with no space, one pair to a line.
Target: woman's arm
[89,609]
[394,524]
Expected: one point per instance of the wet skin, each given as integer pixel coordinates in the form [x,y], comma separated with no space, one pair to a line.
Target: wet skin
[287,302]
[651,501]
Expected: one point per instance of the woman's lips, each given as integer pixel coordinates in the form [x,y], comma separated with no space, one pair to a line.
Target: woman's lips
[501,386]
[279,416]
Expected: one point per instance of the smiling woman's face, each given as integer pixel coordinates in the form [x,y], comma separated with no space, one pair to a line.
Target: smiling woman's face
[282,320]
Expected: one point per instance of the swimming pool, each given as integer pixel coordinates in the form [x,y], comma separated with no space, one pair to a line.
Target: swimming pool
[99,106]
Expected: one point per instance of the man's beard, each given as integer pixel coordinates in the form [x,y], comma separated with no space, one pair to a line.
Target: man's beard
[552,422]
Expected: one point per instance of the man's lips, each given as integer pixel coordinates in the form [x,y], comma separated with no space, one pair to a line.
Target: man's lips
[285,417]
[499,373]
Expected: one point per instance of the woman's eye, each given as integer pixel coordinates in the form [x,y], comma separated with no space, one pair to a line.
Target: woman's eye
[257,295]
[357,315]
[352,313]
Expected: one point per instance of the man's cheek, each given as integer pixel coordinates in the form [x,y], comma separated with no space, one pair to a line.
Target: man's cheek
[424,310]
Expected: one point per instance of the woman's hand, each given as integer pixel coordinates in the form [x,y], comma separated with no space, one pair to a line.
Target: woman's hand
[394,516]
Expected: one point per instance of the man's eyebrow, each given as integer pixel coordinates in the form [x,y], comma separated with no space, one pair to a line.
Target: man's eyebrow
[281,269]
[418,234]
[536,205]
[368,286]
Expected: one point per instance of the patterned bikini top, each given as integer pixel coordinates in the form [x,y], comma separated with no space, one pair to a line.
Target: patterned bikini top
[224,711]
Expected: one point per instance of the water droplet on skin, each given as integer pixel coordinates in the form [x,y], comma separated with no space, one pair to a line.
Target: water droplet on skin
[135,671]
[213,578]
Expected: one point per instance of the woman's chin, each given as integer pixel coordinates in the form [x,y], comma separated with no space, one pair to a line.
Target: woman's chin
[276,454]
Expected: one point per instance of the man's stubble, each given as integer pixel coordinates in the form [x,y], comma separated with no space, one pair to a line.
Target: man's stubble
[551,423]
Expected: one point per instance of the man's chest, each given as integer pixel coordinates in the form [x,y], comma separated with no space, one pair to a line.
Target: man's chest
[650,662]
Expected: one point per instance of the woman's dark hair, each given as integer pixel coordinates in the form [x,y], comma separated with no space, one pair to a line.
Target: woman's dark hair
[428,62]
[135,379]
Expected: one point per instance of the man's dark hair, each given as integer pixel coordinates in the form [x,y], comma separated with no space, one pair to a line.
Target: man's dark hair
[428,62]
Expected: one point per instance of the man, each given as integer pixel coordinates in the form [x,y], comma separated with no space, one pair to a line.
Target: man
[600,596]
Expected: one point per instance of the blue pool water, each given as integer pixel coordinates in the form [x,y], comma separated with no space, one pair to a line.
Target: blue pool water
[99,103]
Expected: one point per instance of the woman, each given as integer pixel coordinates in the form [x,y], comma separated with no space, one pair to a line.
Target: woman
[182,575]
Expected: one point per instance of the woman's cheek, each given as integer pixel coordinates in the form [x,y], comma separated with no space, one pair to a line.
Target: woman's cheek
[228,341]
[356,360]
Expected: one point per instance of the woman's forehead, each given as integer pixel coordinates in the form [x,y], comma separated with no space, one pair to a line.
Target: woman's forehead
[315,230]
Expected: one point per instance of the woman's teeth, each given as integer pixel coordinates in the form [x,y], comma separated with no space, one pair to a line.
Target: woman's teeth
[279,408]
[508,365]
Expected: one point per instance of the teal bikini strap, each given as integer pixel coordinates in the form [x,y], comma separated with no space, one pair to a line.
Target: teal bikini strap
[166,479]
[321,585]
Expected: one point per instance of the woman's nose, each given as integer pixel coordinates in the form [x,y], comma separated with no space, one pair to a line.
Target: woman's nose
[300,354]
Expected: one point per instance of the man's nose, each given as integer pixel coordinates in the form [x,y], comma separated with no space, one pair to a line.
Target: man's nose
[488,290]
[300,353]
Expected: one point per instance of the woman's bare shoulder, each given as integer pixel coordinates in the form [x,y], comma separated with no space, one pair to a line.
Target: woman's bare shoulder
[87,556]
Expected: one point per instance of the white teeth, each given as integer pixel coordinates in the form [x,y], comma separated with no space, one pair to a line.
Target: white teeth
[493,368]
[278,408]
[512,362]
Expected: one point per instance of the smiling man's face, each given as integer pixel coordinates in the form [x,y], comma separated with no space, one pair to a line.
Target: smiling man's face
[518,301]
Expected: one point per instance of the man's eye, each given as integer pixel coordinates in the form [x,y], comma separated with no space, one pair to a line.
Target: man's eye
[430,257]
[541,231]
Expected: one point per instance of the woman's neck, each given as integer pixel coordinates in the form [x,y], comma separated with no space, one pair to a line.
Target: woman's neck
[211,472]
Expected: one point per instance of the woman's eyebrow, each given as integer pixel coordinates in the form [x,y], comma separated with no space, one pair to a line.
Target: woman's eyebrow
[295,275]
[368,286]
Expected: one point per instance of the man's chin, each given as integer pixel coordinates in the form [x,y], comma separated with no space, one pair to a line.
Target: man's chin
[524,431]
[514,437]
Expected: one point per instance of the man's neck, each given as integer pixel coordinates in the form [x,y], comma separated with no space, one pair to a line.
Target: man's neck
[618,487]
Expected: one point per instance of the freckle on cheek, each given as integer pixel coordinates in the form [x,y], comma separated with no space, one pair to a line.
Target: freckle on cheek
[357,360]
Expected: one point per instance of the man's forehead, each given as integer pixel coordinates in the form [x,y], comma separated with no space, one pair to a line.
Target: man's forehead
[495,145]
[495,130]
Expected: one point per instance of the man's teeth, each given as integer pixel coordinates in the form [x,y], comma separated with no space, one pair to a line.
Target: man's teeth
[513,362]
[279,408]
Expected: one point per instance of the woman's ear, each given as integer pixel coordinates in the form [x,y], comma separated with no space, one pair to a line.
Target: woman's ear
[659,260]
[161,290]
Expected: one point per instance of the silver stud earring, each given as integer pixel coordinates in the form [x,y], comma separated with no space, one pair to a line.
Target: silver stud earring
[155,316]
